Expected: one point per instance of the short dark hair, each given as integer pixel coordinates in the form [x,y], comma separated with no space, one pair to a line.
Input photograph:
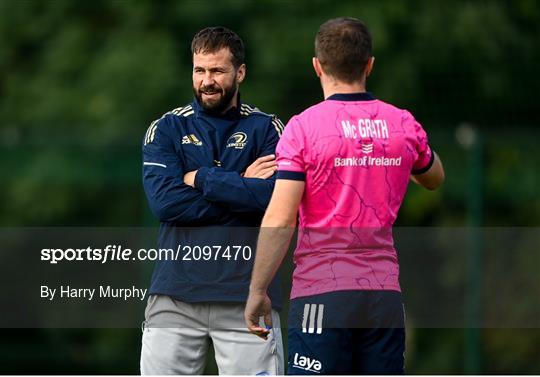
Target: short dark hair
[343,47]
[213,39]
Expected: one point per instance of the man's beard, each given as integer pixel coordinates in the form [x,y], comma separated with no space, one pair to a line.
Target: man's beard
[216,107]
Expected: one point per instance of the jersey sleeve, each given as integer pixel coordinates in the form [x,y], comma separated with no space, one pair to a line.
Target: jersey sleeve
[290,152]
[424,154]
[169,198]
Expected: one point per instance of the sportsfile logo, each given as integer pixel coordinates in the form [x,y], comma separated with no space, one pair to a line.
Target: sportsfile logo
[305,363]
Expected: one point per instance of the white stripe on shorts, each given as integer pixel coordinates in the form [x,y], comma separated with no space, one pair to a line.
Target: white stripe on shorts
[314,314]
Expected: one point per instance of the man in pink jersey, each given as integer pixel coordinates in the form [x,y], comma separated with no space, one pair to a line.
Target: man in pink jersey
[343,167]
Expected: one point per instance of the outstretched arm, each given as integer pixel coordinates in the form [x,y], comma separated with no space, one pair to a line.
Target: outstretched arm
[275,235]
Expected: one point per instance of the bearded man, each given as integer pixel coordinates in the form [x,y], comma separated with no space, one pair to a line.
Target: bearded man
[209,170]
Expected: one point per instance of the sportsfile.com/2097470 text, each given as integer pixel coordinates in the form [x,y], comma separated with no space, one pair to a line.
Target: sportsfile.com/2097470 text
[117,253]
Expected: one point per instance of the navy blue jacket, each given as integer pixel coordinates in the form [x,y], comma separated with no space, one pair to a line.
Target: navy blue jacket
[220,148]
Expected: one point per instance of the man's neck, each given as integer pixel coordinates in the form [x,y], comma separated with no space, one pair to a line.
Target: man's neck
[331,87]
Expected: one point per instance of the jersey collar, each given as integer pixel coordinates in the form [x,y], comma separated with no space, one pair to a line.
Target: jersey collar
[364,96]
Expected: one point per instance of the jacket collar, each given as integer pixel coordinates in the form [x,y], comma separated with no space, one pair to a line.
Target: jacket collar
[231,114]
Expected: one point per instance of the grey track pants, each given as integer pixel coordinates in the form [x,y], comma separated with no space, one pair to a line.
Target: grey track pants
[176,337]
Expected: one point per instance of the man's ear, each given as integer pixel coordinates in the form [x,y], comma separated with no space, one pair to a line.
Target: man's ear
[241,74]
[317,66]
[369,66]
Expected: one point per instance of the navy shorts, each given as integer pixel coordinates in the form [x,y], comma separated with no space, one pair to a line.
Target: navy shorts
[347,332]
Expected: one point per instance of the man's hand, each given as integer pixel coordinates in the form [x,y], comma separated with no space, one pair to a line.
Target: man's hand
[189,178]
[258,305]
[263,167]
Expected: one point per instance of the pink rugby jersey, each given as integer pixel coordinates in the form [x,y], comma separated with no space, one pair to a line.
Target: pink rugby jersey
[356,155]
